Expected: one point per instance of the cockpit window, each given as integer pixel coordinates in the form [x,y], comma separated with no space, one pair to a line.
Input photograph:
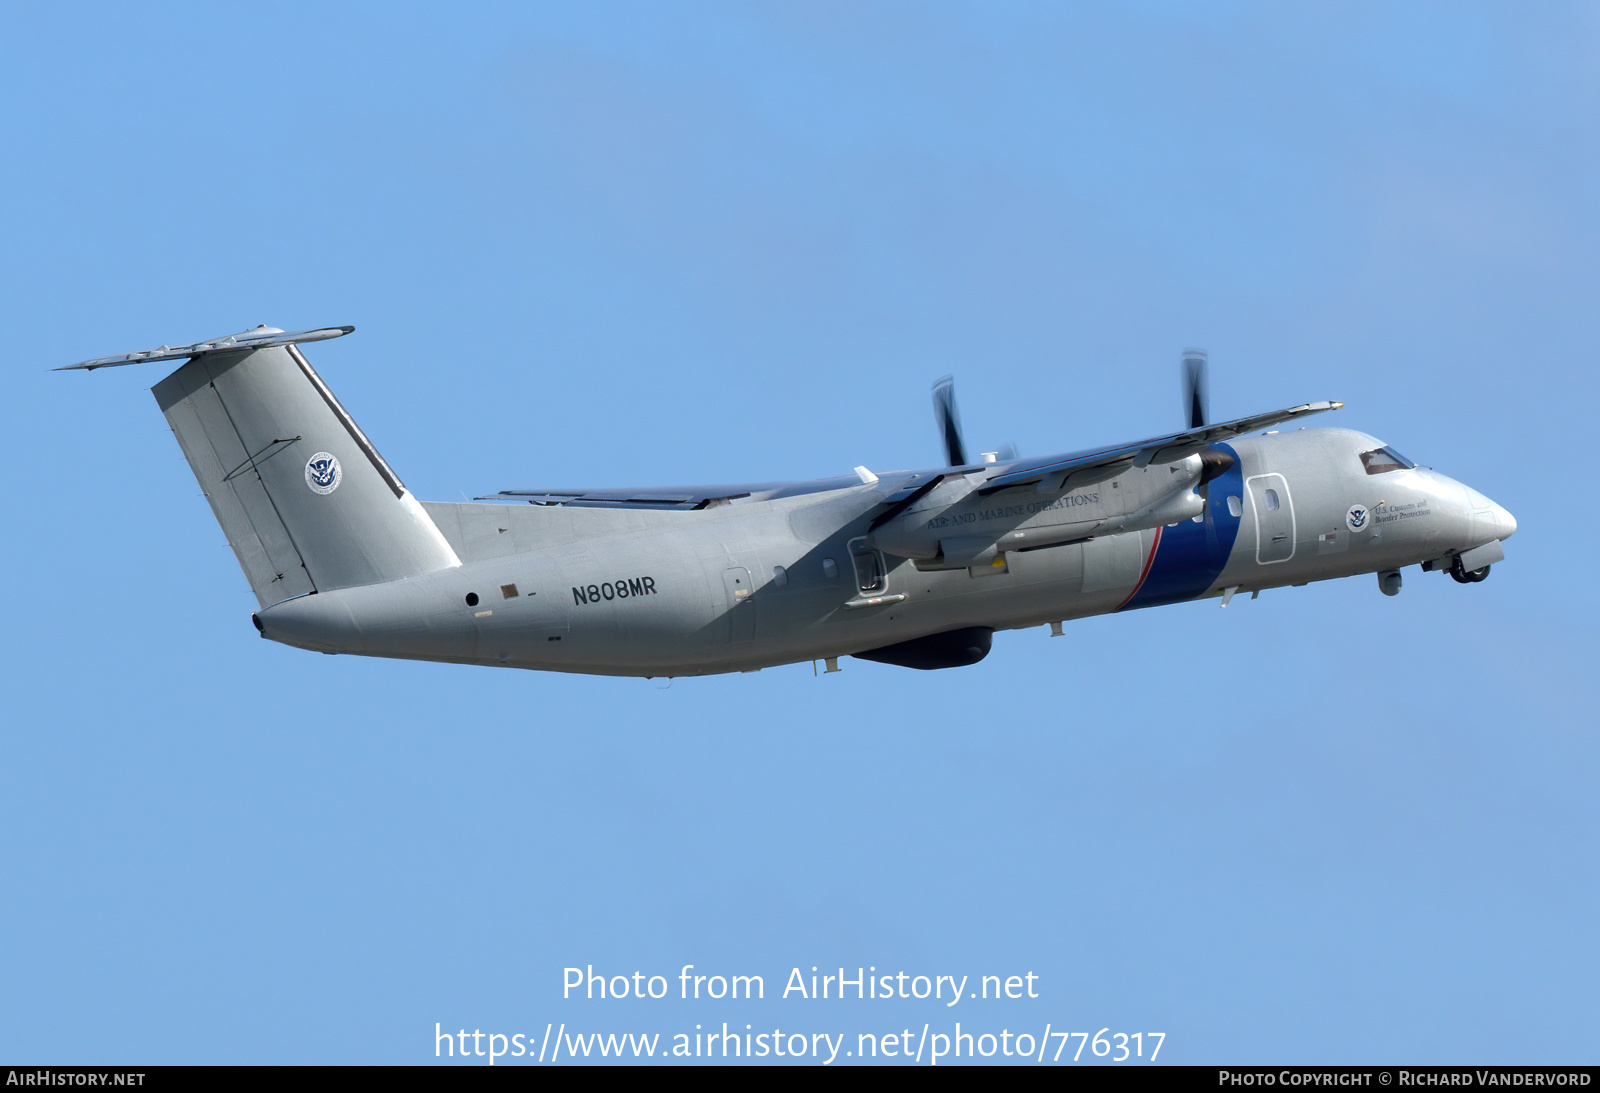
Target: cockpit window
[1380,460]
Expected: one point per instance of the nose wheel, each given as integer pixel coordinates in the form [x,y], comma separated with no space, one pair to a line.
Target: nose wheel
[1467,576]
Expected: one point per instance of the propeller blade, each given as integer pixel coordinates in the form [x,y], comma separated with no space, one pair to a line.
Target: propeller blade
[949,419]
[1196,395]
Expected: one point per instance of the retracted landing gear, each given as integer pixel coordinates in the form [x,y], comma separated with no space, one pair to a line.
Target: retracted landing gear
[1465,576]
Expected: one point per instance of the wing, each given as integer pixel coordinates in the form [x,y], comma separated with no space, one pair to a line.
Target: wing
[1098,464]
[674,497]
[259,338]
[900,489]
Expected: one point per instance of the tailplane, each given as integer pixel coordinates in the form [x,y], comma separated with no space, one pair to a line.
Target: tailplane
[306,501]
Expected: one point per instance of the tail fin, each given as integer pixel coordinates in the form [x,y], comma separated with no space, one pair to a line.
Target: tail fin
[306,501]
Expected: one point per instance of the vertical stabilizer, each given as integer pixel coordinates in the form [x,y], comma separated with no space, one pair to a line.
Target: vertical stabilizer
[306,501]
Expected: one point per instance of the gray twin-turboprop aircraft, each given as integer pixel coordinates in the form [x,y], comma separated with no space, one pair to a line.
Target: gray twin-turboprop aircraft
[914,568]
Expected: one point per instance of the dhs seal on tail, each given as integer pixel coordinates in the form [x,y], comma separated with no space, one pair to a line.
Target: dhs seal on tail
[322,473]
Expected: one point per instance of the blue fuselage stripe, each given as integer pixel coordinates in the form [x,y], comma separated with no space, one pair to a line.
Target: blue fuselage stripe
[1191,554]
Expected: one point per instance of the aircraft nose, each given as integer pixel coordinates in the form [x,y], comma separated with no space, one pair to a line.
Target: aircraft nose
[1507,522]
[1489,520]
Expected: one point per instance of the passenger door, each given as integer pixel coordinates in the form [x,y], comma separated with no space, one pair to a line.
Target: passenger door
[1274,510]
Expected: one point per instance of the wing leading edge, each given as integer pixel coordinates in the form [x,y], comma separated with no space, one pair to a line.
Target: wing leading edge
[900,489]
[675,497]
[1053,472]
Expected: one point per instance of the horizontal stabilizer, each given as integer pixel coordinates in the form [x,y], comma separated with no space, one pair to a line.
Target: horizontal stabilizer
[1081,468]
[259,338]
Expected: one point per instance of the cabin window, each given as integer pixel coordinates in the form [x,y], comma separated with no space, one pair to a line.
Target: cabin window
[830,568]
[780,576]
[1270,497]
[869,566]
[1380,460]
[1235,506]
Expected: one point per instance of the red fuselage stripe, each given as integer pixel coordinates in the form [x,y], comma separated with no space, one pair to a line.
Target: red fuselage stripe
[1148,562]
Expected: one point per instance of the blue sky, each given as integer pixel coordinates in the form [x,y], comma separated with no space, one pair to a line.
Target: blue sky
[605,244]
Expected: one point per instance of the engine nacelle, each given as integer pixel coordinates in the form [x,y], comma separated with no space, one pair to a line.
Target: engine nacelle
[956,526]
[951,649]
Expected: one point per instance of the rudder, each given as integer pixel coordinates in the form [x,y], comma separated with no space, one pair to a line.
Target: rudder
[305,500]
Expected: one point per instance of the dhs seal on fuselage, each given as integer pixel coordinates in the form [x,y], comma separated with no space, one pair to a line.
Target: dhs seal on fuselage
[323,473]
[1358,516]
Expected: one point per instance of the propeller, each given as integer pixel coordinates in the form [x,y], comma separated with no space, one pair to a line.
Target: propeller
[1196,409]
[949,419]
[1196,396]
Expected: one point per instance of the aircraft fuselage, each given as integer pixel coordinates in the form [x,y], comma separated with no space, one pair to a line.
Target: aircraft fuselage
[747,585]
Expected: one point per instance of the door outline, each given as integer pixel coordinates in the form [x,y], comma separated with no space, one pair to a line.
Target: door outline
[741,617]
[861,546]
[1282,485]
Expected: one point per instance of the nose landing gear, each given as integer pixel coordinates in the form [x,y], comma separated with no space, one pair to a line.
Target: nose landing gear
[1462,575]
